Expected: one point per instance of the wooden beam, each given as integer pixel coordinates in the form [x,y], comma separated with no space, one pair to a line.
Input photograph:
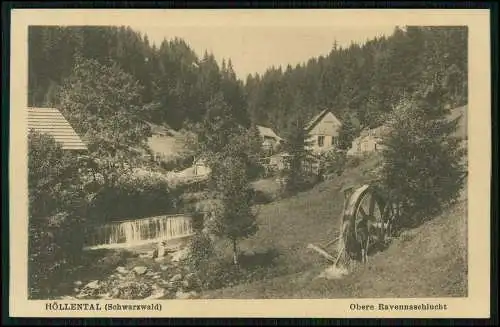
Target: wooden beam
[331,242]
[321,251]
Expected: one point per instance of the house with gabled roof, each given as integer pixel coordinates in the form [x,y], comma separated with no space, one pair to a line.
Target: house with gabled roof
[323,131]
[52,122]
[269,138]
[164,142]
[369,140]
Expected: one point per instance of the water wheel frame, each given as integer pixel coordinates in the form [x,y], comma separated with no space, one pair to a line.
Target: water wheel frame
[354,214]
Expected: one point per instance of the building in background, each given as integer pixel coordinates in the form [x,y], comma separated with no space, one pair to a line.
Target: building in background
[165,143]
[324,131]
[270,140]
[369,140]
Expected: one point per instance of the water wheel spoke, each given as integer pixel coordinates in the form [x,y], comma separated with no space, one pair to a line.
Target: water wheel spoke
[362,211]
[372,206]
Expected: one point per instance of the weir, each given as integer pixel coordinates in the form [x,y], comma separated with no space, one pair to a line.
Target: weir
[137,232]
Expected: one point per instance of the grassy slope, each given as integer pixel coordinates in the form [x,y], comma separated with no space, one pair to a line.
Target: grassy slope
[427,261]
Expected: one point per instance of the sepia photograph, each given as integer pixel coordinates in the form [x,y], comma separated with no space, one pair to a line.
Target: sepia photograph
[211,162]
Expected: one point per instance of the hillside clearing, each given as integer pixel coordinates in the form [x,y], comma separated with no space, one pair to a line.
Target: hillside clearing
[429,261]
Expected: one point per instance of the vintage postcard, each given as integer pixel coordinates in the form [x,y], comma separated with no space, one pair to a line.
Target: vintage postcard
[250,163]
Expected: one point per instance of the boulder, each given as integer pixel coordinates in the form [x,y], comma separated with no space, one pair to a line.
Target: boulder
[115,293]
[157,292]
[122,270]
[78,283]
[180,255]
[133,290]
[170,285]
[120,276]
[68,298]
[93,285]
[105,296]
[140,270]
[80,296]
[190,276]
[182,295]
[176,278]
[161,250]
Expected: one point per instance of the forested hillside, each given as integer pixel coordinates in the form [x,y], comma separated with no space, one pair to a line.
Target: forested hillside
[359,82]
[363,82]
[175,82]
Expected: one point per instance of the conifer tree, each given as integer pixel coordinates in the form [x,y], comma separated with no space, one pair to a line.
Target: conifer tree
[298,155]
[423,160]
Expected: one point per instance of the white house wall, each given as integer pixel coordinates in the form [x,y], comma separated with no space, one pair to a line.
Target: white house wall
[329,127]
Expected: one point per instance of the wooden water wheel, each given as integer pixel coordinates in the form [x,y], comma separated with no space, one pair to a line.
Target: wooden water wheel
[366,211]
[364,207]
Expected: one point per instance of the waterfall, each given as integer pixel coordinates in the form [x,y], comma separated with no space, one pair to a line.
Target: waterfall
[139,232]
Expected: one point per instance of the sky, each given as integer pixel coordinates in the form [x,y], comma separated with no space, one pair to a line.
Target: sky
[253,49]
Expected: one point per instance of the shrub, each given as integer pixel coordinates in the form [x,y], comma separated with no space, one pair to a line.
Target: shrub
[353,162]
[136,193]
[201,250]
[217,272]
[261,197]
[56,211]
[332,162]
[212,270]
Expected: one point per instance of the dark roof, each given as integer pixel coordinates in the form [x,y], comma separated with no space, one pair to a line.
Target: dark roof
[51,121]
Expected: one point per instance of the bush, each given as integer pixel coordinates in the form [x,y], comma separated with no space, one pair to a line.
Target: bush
[177,163]
[56,211]
[261,197]
[212,271]
[333,162]
[218,273]
[135,194]
[201,250]
[353,162]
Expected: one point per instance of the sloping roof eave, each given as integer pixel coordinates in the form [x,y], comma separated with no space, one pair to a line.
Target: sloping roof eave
[51,121]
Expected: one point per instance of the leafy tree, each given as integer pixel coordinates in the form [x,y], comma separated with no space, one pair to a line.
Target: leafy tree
[56,211]
[103,104]
[423,161]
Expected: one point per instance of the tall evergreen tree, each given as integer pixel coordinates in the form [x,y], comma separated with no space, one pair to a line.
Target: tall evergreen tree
[235,219]
[297,148]
[423,160]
